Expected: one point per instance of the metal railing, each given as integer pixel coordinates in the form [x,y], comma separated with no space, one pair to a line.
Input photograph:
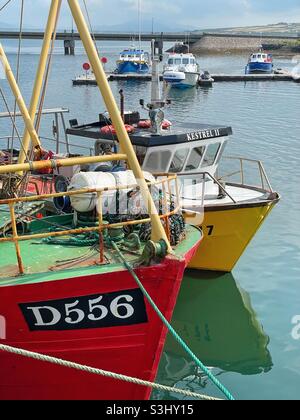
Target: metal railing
[166,188]
[257,166]
[204,176]
[11,141]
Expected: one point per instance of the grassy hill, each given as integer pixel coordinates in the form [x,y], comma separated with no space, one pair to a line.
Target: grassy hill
[282,28]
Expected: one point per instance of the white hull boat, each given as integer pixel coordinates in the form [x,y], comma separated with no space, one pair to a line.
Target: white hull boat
[181,71]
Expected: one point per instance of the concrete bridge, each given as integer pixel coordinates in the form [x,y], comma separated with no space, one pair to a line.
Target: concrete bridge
[69,38]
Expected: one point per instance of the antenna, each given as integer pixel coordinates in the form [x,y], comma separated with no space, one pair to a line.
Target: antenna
[140,23]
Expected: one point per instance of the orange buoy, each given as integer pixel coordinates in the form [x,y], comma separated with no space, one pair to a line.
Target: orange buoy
[166,124]
[109,129]
[144,124]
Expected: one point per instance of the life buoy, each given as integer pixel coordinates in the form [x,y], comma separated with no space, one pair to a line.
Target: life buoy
[45,155]
[166,124]
[109,129]
[146,124]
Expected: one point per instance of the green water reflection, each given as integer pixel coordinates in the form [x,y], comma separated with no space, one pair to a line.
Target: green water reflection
[215,317]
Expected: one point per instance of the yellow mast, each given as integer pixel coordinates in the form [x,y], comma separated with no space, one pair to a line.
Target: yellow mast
[53,13]
[58,163]
[158,231]
[20,101]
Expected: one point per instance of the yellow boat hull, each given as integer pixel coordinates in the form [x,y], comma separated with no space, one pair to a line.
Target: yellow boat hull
[227,233]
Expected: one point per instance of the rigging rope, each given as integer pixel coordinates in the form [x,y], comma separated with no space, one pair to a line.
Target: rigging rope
[221,387]
[18,68]
[44,90]
[100,372]
[6,4]
[90,25]
[11,117]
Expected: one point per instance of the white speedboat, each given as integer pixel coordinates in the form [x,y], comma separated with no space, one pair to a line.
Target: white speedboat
[181,71]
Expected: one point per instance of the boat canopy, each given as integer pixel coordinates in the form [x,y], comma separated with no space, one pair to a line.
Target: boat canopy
[184,133]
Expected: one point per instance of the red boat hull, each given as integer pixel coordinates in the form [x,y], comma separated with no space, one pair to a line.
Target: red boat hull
[132,350]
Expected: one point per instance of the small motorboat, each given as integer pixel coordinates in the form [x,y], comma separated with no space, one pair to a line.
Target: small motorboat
[85,79]
[206,79]
[296,77]
[181,71]
[260,62]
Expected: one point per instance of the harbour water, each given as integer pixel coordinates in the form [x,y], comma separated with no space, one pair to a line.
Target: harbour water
[240,325]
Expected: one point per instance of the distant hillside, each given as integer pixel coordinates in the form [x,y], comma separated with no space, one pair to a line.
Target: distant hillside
[147,26]
[282,28]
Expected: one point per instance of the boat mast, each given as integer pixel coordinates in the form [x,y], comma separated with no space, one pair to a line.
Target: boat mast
[52,18]
[155,83]
[158,231]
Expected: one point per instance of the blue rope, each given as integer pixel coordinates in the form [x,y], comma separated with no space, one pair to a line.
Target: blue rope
[221,387]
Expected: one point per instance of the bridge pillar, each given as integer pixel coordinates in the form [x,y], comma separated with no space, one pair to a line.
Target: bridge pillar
[69,45]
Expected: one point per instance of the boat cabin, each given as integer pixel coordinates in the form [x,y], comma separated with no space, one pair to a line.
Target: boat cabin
[261,58]
[181,60]
[188,149]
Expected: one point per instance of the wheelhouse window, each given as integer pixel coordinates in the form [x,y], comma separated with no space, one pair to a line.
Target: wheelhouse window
[179,160]
[158,161]
[221,151]
[195,158]
[211,154]
[185,61]
[171,61]
[177,61]
[140,152]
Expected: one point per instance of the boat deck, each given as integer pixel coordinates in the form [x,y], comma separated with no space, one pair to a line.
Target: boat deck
[240,194]
[47,262]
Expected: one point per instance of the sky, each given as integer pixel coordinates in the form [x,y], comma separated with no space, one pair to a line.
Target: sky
[190,14]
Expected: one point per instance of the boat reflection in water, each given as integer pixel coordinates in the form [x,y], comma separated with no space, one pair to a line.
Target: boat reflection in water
[215,317]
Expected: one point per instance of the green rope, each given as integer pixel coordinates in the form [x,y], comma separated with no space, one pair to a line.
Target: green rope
[221,387]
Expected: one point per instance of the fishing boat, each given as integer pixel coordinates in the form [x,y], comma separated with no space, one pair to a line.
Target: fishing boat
[133,61]
[181,71]
[229,198]
[260,62]
[68,284]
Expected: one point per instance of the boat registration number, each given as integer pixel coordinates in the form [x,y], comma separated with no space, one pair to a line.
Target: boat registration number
[86,312]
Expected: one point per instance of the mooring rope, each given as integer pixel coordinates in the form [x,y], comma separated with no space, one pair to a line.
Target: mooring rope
[100,372]
[221,387]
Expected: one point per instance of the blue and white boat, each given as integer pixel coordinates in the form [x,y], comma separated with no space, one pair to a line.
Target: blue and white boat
[133,61]
[260,62]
